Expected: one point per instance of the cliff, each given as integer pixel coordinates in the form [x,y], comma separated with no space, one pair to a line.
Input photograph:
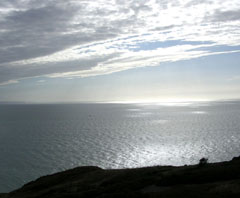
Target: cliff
[209,180]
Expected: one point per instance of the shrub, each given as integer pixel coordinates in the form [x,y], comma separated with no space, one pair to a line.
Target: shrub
[203,161]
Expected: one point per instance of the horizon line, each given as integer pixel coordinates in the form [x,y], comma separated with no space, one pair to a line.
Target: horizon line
[181,101]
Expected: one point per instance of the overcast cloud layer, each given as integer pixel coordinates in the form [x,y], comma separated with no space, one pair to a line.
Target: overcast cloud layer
[87,38]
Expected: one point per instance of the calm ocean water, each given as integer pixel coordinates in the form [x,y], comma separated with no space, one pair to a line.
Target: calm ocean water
[36,140]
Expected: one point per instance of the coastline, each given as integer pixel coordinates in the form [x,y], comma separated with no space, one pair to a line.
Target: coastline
[220,179]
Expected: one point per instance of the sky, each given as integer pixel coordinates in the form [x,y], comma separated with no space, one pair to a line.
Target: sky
[122,50]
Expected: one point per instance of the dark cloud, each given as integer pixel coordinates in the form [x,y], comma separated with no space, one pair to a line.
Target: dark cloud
[194,2]
[34,32]
[39,28]
[45,19]
[43,31]
[223,16]
[23,71]
[163,28]
[47,29]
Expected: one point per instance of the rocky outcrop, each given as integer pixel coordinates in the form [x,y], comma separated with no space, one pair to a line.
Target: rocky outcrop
[209,180]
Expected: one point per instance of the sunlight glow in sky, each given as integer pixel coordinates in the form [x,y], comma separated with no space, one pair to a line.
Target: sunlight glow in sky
[154,50]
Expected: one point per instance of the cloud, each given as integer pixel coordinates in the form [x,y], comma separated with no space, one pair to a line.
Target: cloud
[9,82]
[223,16]
[85,38]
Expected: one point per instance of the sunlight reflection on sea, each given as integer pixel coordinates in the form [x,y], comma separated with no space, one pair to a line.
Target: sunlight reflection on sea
[36,140]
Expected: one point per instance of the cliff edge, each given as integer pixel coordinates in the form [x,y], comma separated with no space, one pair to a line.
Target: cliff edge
[208,180]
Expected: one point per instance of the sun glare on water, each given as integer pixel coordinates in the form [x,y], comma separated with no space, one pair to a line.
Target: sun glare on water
[164,102]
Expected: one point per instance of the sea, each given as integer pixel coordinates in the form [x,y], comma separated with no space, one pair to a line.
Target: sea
[41,139]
